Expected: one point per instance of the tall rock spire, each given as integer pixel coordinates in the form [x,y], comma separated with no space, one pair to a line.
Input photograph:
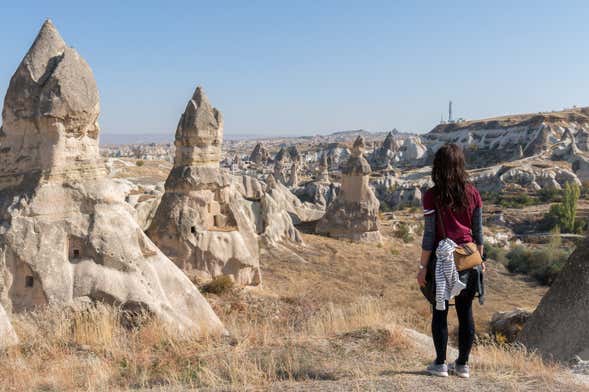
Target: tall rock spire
[199,135]
[51,108]
[75,236]
[354,213]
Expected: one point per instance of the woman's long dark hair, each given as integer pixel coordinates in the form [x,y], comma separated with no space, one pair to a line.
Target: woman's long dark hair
[450,177]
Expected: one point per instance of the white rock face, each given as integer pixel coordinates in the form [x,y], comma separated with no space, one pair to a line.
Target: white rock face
[489,142]
[558,327]
[7,335]
[202,221]
[299,211]
[413,151]
[581,169]
[354,213]
[50,115]
[525,176]
[66,230]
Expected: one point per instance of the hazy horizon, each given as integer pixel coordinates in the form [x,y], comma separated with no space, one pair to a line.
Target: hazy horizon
[305,68]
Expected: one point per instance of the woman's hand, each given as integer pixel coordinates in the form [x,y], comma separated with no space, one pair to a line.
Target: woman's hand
[484,267]
[421,277]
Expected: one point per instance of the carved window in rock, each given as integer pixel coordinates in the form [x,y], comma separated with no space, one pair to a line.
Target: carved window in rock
[77,249]
[193,229]
[29,281]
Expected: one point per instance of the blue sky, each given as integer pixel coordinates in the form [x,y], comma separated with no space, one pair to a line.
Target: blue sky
[307,67]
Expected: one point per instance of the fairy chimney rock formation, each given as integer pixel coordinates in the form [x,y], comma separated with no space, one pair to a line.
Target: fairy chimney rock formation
[558,327]
[280,165]
[354,213]
[50,128]
[202,221]
[259,154]
[323,175]
[199,136]
[293,181]
[66,229]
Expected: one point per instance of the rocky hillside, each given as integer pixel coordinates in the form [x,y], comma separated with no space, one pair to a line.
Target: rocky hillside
[511,137]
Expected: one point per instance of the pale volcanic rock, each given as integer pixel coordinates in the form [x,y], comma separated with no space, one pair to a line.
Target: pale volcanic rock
[386,154]
[260,154]
[558,327]
[581,169]
[202,222]
[582,140]
[354,212]
[8,337]
[199,135]
[67,231]
[281,163]
[299,211]
[50,113]
[323,170]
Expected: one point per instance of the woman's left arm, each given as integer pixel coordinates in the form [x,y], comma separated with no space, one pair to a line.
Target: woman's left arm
[477,231]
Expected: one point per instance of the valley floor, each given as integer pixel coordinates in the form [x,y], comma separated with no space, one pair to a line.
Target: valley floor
[348,318]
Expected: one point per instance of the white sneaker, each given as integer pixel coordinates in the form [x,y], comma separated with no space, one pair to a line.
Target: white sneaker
[462,371]
[438,370]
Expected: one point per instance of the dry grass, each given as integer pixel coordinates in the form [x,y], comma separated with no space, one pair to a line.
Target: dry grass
[336,322]
[92,350]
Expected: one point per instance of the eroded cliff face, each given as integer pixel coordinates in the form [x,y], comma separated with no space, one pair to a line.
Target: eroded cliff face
[508,138]
[66,230]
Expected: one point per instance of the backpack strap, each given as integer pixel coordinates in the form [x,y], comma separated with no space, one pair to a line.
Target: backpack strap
[439,218]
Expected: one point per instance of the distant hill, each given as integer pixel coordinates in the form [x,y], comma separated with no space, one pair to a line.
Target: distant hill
[144,138]
[514,120]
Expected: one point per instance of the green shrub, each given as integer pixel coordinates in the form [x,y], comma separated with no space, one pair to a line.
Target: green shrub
[219,285]
[585,190]
[543,264]
[385,207]
[139,163]
[403,232]
[516,201]
[496,253]
[550,195]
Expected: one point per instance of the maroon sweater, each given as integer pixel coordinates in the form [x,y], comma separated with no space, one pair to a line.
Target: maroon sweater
[457,224]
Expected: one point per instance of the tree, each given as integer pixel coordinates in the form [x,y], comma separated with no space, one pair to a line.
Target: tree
[564,214]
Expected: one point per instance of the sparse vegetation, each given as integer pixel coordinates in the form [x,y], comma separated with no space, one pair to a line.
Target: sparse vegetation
[404,232]
[496,253]
[549,195]
[91,350]
[543,263]
[219,285]
[139,163]
[509,200]
[564,214]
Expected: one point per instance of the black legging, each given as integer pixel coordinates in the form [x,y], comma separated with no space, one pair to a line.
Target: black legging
[463,303]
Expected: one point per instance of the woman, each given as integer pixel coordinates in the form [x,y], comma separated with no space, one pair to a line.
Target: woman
[457,203]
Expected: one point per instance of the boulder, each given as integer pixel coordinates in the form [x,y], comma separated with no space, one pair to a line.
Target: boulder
[505,326]
[558,327]
[67,231]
